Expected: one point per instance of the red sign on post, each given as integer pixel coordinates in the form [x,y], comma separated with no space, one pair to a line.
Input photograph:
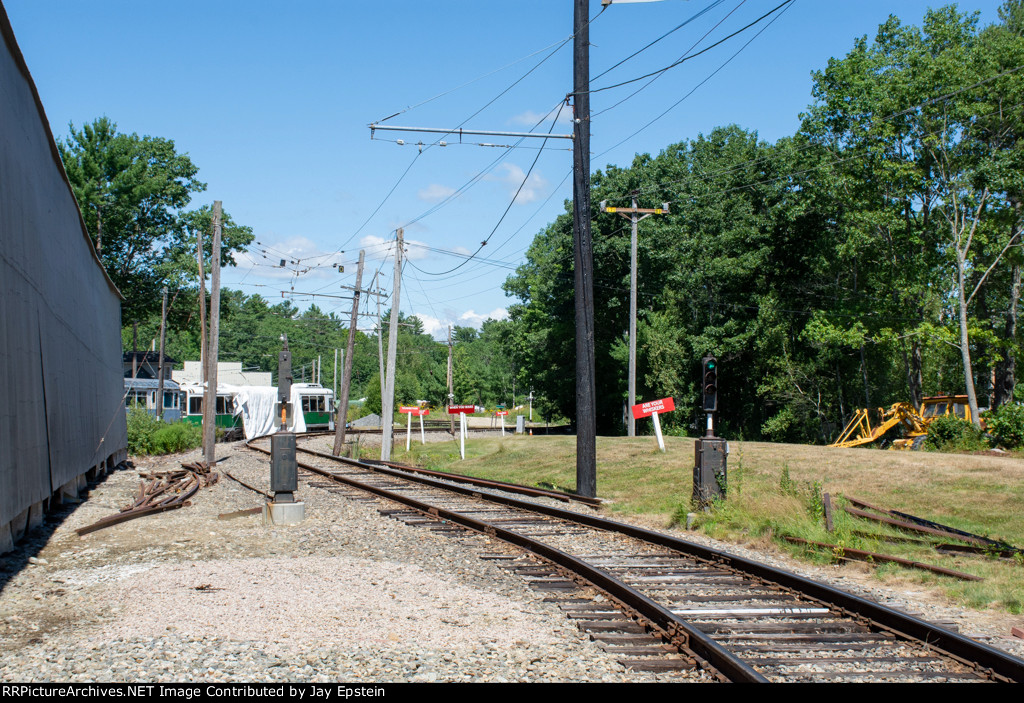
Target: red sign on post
[461,409]
[501,413]
[414,410]
[654,406]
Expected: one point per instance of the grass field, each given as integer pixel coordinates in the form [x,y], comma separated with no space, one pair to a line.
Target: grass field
[775,490]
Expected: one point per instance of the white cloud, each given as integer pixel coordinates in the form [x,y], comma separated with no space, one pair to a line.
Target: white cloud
[435,192]
[477,320]
[438,328]
[532,189]
[432,326]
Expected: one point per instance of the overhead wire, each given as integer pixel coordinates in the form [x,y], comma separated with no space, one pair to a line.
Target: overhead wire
[659,74]
[558,46]
[788,4]
[526,178]
[558,43]
[647,46]
[689,57]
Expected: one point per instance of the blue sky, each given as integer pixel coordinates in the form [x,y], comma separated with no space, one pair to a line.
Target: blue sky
[272,101]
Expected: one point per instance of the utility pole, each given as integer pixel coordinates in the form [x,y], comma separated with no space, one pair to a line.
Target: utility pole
[380,337]
[203,352]
[451,384]
[631,214]
[388,399]
[346,383]
[160,360]
[586,390]
[210,399]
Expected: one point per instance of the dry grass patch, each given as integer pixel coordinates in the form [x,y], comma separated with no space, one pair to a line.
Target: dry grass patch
[775,490]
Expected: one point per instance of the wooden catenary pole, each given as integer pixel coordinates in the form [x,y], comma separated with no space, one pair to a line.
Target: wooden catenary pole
[388,399]
[346,382]
[210,399]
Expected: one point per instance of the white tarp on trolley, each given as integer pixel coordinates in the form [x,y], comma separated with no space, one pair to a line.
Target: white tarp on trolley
[259,409]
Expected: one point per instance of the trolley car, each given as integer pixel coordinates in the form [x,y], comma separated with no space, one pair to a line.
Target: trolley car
[192,407]
[142,393]
[317,405]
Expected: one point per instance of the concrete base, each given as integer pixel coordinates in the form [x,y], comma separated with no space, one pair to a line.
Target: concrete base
[284,513]
[6,541]
[32,517]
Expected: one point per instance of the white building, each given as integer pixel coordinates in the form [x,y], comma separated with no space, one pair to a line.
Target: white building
[228,372]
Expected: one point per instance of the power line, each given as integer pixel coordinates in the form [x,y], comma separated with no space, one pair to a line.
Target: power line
[684,59]
[557,44]
[501,219]
[787,5]
[679,26]
[660,74]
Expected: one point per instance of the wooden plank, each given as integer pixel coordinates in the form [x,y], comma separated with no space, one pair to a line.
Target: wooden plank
[854,659]
[651,650]
[658,664]
[807,647]
[240,513]
[860,555]
[880,675]
[626,626]
[623,638]
[758,627]
[776,639]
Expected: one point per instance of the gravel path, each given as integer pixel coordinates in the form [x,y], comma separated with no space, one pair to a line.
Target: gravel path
[348,595]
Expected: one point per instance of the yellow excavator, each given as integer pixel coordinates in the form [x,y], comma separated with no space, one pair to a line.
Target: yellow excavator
[871,424]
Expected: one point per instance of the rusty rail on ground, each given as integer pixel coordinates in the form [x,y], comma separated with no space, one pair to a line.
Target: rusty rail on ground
[159,492]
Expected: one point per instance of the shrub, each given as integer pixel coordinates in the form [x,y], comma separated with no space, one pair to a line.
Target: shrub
[148,435]
[950,433]
[141,428]
[176,437]
[1006,425]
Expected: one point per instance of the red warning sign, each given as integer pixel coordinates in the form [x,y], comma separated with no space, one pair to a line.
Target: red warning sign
[647,409]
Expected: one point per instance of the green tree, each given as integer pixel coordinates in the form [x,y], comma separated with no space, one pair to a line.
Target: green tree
[133,192]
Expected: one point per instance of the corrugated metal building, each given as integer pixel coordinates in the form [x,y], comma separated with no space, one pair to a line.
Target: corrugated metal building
[61,385]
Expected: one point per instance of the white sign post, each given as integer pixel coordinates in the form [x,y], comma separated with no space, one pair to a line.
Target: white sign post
[462,411]
[502,414]
[657,431]
[411,410]
[651,409]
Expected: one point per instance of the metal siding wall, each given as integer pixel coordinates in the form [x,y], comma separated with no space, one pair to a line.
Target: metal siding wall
[60,316]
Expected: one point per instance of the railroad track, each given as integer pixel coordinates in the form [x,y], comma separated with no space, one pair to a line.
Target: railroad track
[668,604]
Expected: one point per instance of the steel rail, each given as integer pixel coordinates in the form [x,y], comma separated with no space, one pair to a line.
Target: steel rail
[486,483]
[170,503]
[719,659]
[991,661]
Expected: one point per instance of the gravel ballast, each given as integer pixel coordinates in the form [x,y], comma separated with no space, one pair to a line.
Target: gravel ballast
[347,595]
